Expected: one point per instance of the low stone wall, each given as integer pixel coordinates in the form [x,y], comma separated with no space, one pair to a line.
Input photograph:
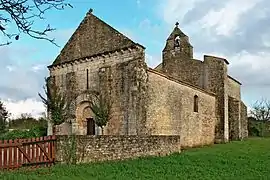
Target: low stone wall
[102,148]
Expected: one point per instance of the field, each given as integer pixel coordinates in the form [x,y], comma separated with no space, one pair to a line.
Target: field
[248,159]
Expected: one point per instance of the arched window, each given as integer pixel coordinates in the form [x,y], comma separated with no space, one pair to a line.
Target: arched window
[196,103]
[177,41]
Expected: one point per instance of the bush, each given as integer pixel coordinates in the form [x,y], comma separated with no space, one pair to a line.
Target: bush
[258,128]
[22,134]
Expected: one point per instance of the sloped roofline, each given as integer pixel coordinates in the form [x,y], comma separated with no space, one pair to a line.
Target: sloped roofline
[230,77]
[89,13]
[180,82]
[116,30]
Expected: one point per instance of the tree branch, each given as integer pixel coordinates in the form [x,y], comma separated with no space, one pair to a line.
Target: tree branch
[261,110]
[24,14]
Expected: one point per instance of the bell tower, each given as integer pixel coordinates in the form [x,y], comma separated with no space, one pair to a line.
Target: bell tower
[177,56]
[178,43]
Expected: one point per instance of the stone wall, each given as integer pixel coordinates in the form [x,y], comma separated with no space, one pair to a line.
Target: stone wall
[234,89]
[216,81]
[170,110]
[102,148]
[234,119]
[63,129]
[183,68]
[210,75]
[127,92]
[244,121]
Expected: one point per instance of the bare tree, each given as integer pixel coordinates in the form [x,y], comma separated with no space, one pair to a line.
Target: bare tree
[23,14]
[261,110]
[101,107]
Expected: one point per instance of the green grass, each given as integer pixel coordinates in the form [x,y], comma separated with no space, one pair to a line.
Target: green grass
[236,160]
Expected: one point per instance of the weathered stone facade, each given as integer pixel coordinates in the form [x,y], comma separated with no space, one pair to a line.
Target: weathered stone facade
[210,75]
[182,96]
[171,110]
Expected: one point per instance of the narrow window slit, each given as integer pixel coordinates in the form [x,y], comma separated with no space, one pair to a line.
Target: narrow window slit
[196,103]
[87,79]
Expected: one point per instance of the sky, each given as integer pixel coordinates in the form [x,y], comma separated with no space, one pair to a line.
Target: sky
[237,30]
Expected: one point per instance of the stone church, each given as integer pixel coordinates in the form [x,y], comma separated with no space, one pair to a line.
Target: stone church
[195,99]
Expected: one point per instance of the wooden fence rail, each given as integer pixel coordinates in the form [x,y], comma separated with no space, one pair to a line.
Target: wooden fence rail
[34,152]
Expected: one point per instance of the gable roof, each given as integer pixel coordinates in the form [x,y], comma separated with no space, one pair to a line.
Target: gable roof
[171,39]
[176,32]
[93,36]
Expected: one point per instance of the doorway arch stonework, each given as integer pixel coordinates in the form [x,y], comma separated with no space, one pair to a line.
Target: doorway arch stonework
[82,112]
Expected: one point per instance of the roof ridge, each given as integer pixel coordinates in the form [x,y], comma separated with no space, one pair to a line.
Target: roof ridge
[90,37]
[116,30]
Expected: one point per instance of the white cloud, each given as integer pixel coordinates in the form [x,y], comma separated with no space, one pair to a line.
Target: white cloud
[152,61]
[32,106]
[175,10]
[212,20]
[232,29]
[226,20]
[10,68]
[266,39]
[21,78]
[23,75]
[248,110]
[251,61]
[222,16]
[252,71]
[38,67]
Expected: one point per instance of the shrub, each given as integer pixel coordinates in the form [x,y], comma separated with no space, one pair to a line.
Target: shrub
[258,128]
[22,134]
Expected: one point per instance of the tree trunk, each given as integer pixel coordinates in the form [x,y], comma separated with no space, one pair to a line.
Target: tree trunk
[102,131]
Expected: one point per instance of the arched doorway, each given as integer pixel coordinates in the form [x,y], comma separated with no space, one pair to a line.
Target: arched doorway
[84,119]
[90,126]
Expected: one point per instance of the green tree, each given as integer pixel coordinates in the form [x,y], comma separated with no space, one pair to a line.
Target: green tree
[26,121]
[57,103]
[101,107]
[3,118]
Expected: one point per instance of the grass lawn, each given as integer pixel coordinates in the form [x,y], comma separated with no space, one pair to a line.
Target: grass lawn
[248,159]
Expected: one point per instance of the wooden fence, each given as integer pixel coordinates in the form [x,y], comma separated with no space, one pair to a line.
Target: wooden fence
[34,152]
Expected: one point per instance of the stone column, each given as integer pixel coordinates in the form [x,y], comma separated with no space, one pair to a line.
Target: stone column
[234,119]
[74,127]
[50,128]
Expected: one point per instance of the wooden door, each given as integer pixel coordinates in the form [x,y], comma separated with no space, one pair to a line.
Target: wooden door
[90,126]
